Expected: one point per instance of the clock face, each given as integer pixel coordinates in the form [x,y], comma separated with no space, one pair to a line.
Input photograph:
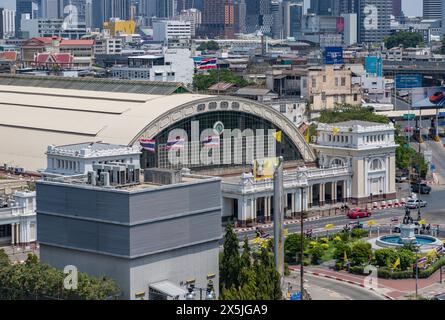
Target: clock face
[218,128]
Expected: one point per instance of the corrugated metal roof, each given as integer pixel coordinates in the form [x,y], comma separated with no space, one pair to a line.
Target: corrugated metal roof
[94,84]
[168,288]
[31,118]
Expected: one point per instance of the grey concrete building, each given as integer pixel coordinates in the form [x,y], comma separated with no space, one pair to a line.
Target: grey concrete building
[374,20]
[153,238]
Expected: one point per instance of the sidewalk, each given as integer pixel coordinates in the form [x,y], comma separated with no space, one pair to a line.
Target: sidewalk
[392,289]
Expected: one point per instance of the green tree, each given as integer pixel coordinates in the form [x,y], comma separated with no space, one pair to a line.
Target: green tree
[230,264]
[360,253]
[4,259]
[339,252]
[316,253]
[34,280]
[406,39]
[204,81]
[408,158]
[208,46]
[292,248]
[407,258]
[347,112]
[385,257]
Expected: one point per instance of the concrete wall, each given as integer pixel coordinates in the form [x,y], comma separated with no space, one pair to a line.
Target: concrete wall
[135,275]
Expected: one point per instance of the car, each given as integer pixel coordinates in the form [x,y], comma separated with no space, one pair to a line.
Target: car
[423,187]
[440,296]
[415,204]
[436,97]
[358,213]
[401,178]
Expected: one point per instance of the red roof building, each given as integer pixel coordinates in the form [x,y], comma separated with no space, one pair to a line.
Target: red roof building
[46,60]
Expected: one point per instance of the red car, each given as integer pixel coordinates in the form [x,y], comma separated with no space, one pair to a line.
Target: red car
[358,213]
[435,98]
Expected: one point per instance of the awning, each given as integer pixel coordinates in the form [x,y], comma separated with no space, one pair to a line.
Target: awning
[169,289]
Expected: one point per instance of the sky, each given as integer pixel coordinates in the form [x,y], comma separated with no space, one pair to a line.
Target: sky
[410,7]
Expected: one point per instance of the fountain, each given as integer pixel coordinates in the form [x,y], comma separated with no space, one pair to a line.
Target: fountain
[407,236]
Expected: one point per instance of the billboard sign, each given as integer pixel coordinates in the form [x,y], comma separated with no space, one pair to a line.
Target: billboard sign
[374,65]
[428,98]
[333,55]
[408,81]
[340,24]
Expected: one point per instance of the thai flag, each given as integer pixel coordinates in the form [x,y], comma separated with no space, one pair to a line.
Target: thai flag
[211,141]
[208,63]
[176,144]
[148,144]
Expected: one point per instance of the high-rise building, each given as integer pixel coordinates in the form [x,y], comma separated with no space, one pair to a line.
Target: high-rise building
[374,20]
[432,9]
[1,23]
[296,17]
[348,6]
[218,18]
[51,9]
[397,8]
[325,7]
[103,10]
[28,7]
[240,16]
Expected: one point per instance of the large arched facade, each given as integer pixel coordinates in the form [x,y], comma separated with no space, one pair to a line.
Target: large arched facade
[235,113]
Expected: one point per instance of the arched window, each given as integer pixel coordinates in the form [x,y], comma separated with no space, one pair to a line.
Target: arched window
[376,164]
[337,163]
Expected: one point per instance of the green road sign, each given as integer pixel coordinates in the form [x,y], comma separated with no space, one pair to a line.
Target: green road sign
[409,116]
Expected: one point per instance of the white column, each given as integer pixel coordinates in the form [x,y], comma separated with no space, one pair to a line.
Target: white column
[293,202]
[12,233]
[242,209]
[17,230]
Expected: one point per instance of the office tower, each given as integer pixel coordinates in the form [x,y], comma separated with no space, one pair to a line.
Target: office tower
[374,20]
[252,16]
[7,23]
[240,16]
[348,6]
[147,8]
[51,9]
[325,7]
[89,14]
[28,7]
[296,17]
[218,18]
[116,9]
[277,20]
[165,8]
[432,9]
[2,32]
[397,8]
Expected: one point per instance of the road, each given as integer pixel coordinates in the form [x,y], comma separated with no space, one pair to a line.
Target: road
[339,221]
[350,291]
[329,289]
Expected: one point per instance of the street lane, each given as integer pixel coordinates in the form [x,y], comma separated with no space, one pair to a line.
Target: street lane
[345,290]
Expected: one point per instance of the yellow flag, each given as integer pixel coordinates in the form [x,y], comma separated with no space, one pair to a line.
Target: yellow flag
[307,136]
[396,264]
[335,131]
[277,136]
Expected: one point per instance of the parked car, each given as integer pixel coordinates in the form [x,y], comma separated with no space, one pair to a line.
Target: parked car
[415,204]
[424,188]
[401,178]
[358,213]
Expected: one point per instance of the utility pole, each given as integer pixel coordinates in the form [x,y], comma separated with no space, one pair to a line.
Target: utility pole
[278,218]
